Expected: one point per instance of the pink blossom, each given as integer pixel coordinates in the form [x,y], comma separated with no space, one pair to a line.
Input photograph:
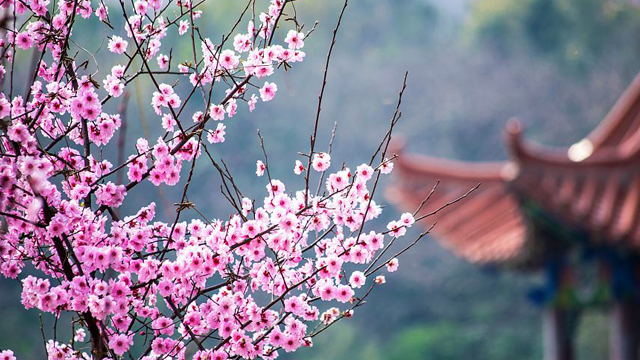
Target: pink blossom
[5,107]
[102,12]
[217,112]
[386,166]
[118,45]
[110,194]
[290,344]
[327,292]
[357,279]
[217,136]
[242,43]
[80,335]
[228,60]
[344,293]
[262,71]
[407,219]
[294,39]
[163,325]
[396,229]
[140,6]
[7,355]
[260,168]
[268,91]
[232,107]
[24,41]
[183,27]
[120,343]
[392,265]
[365,172]
[321,162]
[252,102]
[163,61]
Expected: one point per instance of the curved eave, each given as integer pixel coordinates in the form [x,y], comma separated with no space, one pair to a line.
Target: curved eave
[485,228]
[442,169]
[599,194]
[615,141]
[490,208]
[531,154]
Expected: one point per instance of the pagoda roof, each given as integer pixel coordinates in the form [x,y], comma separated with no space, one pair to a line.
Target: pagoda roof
[592,186]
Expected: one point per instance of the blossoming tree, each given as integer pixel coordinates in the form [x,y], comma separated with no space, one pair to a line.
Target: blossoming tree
[266,279]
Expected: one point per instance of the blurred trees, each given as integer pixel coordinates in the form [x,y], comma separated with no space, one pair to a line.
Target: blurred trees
[575,33]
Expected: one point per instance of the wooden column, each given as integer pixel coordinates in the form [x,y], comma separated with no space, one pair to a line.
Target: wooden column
[560,315]
[558,334]
[624,344]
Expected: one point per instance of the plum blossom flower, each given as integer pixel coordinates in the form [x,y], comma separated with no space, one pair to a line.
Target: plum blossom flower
[24,41]
[299,168]
[252,102]
[242,43]
[407,219]
[5,107]
[321,162]
[261,71]
[396,228]
[120,343]
[365,172]
[110,194]
[7,355]
[357,279]
[183,27]
[386,166]
[294,39]
[228,60]
[163,61]
[268,91]
[392,265]
[344,293]
[247,205]
[217,136]
[140,6]
[102,12]
[217,112]
[327,292]
[80,335]
[118,45]
[260,168]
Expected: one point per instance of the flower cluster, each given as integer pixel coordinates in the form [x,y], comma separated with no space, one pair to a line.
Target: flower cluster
[248,286]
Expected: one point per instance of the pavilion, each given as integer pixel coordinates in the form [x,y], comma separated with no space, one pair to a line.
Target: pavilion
[544,210]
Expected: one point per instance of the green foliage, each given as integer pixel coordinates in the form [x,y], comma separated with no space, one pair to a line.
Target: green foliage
[442,341]
[498,23]
[449,340]
[577,33]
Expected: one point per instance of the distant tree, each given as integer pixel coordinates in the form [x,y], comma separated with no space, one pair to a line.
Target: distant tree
[576,33]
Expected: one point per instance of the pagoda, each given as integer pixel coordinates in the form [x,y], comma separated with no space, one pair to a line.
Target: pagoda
[551,210]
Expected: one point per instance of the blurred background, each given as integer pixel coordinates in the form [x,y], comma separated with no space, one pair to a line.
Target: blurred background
[558,65]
